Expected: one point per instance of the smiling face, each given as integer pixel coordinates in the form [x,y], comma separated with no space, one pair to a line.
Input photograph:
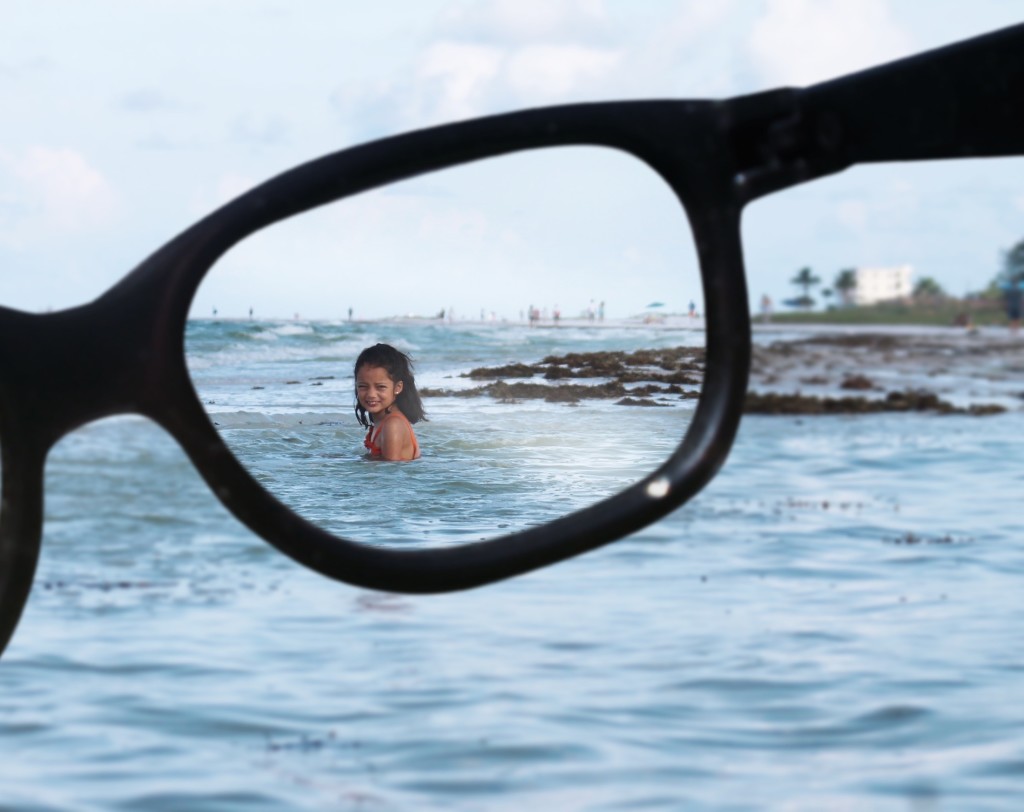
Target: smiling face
[375,390]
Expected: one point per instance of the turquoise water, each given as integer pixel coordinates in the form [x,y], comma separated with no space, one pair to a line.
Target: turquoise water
[833,623]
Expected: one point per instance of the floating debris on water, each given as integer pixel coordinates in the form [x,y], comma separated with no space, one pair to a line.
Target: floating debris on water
[912,539]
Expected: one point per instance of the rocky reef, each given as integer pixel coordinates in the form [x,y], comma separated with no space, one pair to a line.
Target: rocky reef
[806,376]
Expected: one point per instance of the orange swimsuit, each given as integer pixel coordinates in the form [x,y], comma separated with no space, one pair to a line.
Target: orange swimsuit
[374,432]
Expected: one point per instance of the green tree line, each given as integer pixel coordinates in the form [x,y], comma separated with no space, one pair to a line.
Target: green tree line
[1009,275]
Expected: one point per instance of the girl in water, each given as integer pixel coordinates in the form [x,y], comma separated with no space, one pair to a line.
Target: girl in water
[387,402]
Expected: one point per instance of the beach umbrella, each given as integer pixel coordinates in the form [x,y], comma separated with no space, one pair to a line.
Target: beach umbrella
[656,304]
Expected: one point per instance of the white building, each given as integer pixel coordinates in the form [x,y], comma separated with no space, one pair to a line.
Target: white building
[882,284]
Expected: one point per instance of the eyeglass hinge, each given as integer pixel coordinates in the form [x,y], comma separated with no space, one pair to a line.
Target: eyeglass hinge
[777,144]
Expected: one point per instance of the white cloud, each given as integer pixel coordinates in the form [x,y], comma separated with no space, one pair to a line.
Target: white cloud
[516,21]
[454,77]
[800,42]
[486,58]
[693,51]
[674,38]
[545,72]
[457,80]
[54,190]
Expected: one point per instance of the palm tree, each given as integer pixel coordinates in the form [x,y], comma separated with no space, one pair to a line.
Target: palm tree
[928,288]
[806,279]
[846,283]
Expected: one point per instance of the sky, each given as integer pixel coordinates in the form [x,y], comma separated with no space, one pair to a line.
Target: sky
[125,122]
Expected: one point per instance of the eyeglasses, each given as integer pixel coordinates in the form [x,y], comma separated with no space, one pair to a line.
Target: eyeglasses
[125,352]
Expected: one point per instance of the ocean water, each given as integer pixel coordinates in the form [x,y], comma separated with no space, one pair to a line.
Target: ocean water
[834,623]
[282,396]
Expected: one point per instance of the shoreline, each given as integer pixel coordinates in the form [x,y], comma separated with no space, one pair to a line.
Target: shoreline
[670,323]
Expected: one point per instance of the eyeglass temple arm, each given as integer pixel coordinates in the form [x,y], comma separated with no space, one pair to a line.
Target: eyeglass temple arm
[964,100]
[961,101]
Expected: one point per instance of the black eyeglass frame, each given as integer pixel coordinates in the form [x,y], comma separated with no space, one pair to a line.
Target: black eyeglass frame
[125,351]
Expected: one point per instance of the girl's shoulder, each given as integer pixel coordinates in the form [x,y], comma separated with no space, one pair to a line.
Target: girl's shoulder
[396,432]
[395,424]
[390,417]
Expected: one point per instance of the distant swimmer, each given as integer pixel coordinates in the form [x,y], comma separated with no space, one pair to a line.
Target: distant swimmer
[387,403]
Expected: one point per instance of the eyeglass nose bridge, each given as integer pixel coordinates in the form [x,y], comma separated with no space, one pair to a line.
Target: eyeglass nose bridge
[65,369]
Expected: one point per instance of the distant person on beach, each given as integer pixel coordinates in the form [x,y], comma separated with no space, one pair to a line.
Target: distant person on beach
[1012,297]
[387,403]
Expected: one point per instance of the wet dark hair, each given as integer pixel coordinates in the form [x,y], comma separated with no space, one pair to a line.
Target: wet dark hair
[398,365]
